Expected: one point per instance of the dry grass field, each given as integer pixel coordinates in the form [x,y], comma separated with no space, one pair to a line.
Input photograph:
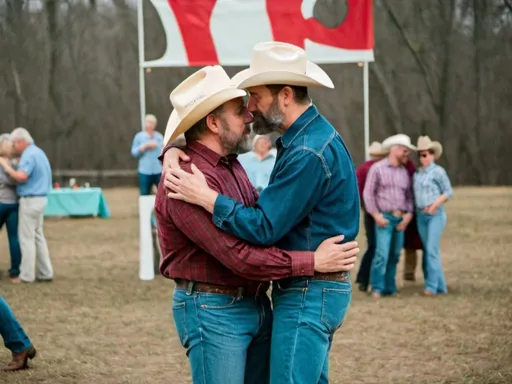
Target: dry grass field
[97,323]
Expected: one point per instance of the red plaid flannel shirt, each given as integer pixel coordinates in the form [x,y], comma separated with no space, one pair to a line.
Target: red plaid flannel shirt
[193,248]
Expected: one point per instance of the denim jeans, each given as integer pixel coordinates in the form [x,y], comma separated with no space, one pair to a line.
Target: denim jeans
[15,338]
[431,229]
[227,338]
[363,275]
[389,245]
[146,182]
[9,217]
[307,313]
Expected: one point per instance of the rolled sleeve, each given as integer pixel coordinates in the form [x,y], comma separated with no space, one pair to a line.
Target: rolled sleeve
[444,183]
[27,164]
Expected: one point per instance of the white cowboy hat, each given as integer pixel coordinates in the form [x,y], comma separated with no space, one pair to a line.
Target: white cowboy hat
[274,62]
[425,144]
[375,149]
[196,96]
[399,139]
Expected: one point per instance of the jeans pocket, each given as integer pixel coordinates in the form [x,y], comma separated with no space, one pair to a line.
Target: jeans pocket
[290,285]
[215,301]
[179,313]
[335,303]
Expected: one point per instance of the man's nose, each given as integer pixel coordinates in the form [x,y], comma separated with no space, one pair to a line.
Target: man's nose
[251,105]
[248,117]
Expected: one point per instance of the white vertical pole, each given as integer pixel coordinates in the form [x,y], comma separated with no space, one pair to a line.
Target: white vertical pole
[366,96]
[142,87]
[146,253]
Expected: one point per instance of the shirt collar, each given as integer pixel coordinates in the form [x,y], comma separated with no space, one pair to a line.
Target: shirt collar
[429,168]
[269,155]
[298,125]
[388,163]
[210,156]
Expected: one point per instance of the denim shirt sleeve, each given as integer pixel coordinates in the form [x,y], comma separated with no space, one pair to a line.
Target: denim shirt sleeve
[295,190]
[444,182]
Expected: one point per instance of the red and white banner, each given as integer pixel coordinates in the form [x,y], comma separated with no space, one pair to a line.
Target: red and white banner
[208,32]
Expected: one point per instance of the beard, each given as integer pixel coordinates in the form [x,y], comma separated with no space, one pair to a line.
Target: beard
[271,121]
[233,143]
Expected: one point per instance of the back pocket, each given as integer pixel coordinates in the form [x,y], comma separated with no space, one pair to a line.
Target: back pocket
[335,304]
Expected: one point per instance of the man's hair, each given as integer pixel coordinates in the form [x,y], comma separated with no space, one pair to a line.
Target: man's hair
[21,134]
[300,94]
[200,128]
[4,137]
[151,118]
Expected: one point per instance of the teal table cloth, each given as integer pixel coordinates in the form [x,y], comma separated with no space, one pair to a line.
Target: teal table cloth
[77,202]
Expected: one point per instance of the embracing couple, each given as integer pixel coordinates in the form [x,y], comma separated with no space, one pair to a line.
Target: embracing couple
[222,242]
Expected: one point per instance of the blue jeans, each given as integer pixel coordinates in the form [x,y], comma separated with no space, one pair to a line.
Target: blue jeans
[307,313]
[9,217]
[363,275]
[431,229]
[15,338]
[146,182]
[389,245]
[227,338]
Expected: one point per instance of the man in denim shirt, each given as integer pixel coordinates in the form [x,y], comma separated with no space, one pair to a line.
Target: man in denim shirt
[312,195]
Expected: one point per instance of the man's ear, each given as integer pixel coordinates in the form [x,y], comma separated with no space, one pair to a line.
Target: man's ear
[212,122]
[287,95]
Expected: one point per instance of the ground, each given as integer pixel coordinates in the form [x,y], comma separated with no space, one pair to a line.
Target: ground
[97,323]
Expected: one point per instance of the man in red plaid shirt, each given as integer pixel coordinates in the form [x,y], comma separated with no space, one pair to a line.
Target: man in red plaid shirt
[221,311]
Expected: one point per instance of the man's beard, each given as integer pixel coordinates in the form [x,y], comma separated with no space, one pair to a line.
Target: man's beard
[229,140]
[272,121]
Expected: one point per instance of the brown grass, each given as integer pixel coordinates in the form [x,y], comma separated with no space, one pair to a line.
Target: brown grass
[98,323]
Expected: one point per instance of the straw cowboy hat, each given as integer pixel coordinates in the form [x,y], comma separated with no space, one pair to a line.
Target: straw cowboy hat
[399,139]
[425,144]
[274,62]
[375,149]
[196,97]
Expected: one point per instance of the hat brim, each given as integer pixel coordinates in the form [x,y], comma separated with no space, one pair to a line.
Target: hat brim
[378,153]
[388,146]
[177,126]
[314,77]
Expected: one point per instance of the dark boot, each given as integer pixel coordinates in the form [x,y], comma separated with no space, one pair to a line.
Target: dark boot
[20,360]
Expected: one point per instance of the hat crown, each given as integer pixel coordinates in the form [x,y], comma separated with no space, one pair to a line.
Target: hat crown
[197,87]
[399,139]
[424,142]
[278,56]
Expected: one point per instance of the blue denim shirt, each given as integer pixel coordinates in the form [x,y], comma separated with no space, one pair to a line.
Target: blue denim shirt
[312,194]
[429,184]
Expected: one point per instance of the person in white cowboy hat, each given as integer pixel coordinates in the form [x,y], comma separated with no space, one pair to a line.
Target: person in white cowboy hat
[259,162]
[363,275]
[388,198]
[432,188]
[221,280]
[312,195]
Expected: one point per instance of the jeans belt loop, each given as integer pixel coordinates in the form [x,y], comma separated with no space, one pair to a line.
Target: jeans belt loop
[240,293]
[190,288]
